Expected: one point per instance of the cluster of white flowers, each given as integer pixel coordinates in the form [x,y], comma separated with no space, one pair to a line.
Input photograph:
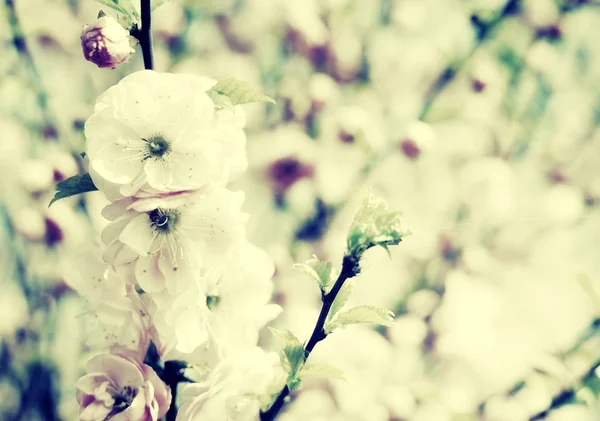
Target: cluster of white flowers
[178,270]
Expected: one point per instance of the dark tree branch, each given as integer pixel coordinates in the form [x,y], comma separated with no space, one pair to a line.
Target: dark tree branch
[144,34]
[349,270]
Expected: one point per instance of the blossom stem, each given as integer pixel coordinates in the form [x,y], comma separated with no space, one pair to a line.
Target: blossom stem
[145,34]
[349,270]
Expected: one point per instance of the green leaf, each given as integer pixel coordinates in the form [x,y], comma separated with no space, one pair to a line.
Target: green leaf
[71,186]
[374,225]
[230,92]
[341,298]
[128,13]
[113,4]
[284,337]
[361,314]
[157,3]
[295,357]
[292,352]
[222,102]
[324,371]
[322,272]
[293,383]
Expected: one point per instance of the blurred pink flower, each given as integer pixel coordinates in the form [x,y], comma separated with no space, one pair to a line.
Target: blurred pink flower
[120,388]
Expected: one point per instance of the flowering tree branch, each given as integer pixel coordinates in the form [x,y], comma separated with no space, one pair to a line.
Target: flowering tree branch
[349,269]
[145,34]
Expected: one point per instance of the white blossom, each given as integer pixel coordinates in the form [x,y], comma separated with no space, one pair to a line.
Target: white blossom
[223,309]
[159,132]
[234,389]
[164,241]
[117,313]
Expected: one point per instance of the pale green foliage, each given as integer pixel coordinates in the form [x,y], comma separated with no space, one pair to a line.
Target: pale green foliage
[157,3]
[321,370]
[322,272]
[128,14]
[71,186]
[341,298]
[228,93]
[374,225]
[361,314]
[222,102]
[292,355]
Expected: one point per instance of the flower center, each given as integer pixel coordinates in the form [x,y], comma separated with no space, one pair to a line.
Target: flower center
[123,398]
[163,220]
[157,146]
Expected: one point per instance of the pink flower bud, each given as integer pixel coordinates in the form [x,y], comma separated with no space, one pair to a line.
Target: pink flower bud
[119,386]
[106,43]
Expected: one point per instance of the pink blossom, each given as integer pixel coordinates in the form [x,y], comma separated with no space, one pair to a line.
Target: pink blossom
[106,43]
[118,387]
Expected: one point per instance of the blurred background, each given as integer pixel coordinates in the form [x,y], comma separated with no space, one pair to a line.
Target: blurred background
[478,119]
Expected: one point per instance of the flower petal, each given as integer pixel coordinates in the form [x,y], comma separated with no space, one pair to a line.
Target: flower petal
[119,254]
[112,231]
[158,173]
[94,411]
[116,208]
[148,275]
[120,370]
[138,234]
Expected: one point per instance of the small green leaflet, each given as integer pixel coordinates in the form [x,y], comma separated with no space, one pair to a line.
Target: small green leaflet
[319,271]
[341,298]
[116,5]
[292,357]
[157,3]
[324,371]
[374,225]
[361,314]
[228,93]
[129,14]
[71,186]
[222,102]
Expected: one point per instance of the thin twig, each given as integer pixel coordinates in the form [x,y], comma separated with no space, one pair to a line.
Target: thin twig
[349,270]
[483,32]
[565,396]
[145,34]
